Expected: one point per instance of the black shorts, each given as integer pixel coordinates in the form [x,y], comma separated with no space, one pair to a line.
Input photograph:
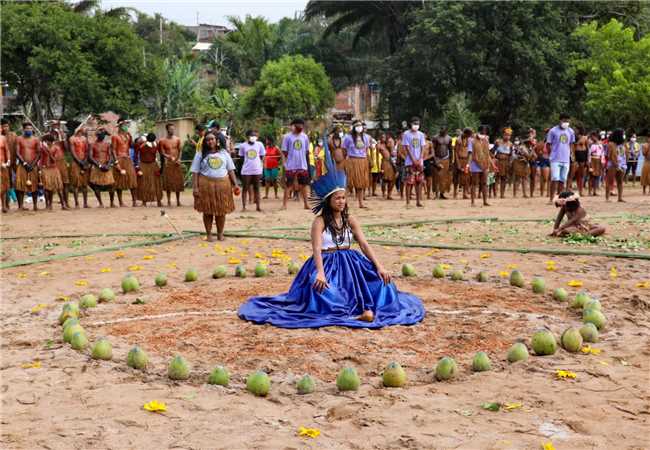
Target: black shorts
[581,156]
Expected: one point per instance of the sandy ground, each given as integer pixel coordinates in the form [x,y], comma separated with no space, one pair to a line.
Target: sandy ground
[72,401]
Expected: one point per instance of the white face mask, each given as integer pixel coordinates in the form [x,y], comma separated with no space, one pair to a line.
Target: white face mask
[358,129]
[602,135]
[415,127]
[252,138]
[340,134]
[564,125]
[632,139]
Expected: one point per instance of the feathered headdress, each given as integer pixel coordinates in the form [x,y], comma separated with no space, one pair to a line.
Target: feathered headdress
[334,180]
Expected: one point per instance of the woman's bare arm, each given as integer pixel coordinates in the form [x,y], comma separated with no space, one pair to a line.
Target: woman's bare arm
[317,228]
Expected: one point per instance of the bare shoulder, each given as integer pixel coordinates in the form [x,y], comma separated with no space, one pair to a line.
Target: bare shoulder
[318,223]
[353,222]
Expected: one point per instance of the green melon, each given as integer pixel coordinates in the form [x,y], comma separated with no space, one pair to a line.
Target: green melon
[518,352]
[79,341]
[543,343]
[482,277]
[102,350]
[261,270]
[571,340]
[305,385]
[70,321]
[178,369]
[240,271]
[69,331]
[481,362]
[106,295]
[539,285]
[446,369]
[219,376]
[88,301]
[219,272]
[592,304]
[137,358]
[438,271]
[348,380]
[581,300]
[408,270]
[457,275]
[516,279]
[258,383]
[69,310]
[293,268]
[394,375]
[589,332]
[161,280]
[560,294]
[191,275]
[594,316]
[130,284]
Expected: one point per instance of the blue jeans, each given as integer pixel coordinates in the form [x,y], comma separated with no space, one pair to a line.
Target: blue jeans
[559,171]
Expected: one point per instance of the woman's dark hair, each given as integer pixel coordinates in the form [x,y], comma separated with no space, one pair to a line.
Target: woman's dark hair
[151,137]
[269,140]
[221,144]
[250,132]
[617,136]
[338,234]
[572,205]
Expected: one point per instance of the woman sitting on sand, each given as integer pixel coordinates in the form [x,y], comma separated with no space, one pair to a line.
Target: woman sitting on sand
[577,218]
[337,285]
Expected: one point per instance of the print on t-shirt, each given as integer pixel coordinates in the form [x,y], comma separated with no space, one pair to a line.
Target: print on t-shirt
[215,163]
[297,144]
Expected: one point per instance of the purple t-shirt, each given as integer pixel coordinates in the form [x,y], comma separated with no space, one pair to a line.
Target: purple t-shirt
[296,147]
[415,143]
[252,154]
[560,140]
[358,148]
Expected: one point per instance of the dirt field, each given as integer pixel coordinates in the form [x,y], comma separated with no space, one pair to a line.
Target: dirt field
[71,401]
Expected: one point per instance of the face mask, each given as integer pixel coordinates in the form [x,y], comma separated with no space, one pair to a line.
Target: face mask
[633,139]
[415,127]
[358,129]
[101,136]
[517,142]
[252,139]
[320,143]
[564,125]
[124,128]
[28,133]
[340,134]
[602,135]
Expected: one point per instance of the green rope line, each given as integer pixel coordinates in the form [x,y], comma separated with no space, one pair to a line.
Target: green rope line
[28,262]
[91,235]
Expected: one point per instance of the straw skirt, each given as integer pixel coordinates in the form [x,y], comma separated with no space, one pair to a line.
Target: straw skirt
[173,177]
[127,180]
[149,184]
[79,178]
[358,172]
[51,178]
[22,178]
[215,196]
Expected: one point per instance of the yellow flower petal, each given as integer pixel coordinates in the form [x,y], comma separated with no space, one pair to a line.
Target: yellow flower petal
[90,258]
[62,298]
[234,260]
[155,406]
[604,363]
[563,374]
[613,273]
[303,257]
[511,406]
[22,275]
[445,266]
[44,273]
[587,349]
[504,274]
[259,255]
[643,285]
[548,446]
[32,365]
[203,244]
[245,241]
[575,283]
[243,255]
[105,270]
[39,307]
[151,250]
[120,254]
[511,266]
[485,255]
[309,432]
[134,268]
[148,257]
[431,252]
[171,265]
[81,283]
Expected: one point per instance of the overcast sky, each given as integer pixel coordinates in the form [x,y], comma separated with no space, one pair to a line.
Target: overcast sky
[211,11]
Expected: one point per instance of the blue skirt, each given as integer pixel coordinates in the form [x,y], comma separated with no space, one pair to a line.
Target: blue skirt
[354,286]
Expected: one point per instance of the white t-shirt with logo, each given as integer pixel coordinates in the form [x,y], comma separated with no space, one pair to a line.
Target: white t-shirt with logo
[252,154]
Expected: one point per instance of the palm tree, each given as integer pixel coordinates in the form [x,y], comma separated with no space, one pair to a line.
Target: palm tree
[384,19]
[88,7]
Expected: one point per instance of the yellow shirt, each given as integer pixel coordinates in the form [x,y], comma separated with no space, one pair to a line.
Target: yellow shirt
[375,160]
[312,160]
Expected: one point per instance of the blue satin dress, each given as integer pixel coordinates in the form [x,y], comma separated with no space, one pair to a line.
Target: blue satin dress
[354,286]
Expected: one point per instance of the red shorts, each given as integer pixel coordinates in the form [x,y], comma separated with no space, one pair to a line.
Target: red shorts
[301,175]
[414,176]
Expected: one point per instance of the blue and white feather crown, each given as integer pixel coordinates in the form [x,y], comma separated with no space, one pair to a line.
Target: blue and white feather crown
[333,181]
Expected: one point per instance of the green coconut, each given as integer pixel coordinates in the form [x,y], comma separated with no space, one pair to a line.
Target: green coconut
[394,375]
[178,369]
[543,343]
[408,270]
[219,376]
[539,285]
[594,316]
[305,385]
[261,270]
[293,268]
[130,284]
[571,340]
[88,301]
[191,275]
[518,352]
[457,275]
[589,332]
[79,341]
[102,350]
[69,310]
[581,300]
[516,279]
[161,280]
[240,271]
[481,362]
[560,294]
[482,277]
[70,321]
[446,369]
[137,358]
[592,304]
[348,379]
[219,272]
[438,271]
[106,295]
[69,331]
[258,383]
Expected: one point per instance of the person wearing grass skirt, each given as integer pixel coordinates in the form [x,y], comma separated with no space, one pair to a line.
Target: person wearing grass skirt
[337,286]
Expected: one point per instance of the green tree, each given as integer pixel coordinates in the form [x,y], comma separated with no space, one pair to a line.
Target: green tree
[290,86]
[616,70]
[181,89]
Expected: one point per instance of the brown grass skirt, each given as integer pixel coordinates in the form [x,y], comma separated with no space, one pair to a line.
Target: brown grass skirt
[63,170]
[389,171]
[215,196]
[127,181]
[358,172]
[100,178]
[173,177]
[51,178]
[21,179]
[149,184]
[442,176]
[462,178]
[520,168]
[79,178]
[596,167]
[503,164]
[645,174]
[5,178]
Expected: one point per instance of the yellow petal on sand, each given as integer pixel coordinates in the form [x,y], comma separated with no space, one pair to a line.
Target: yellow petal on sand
[511,266]
[563,374]
[105,270]
[309,432]
[148,257]
[62,298]
[90,258]
[134,268]
[433,251]
[511,406]
[151,250]
[155,406]
[44,273]
[36,364]
[22,275]
[39,308]
[548,446]
[203,244]
[575,283]
[463,261]
[604,363]
[245,241]
[171,265]
[613,273]
[81,283]
[485,255]
[234,261]
[218,247]
[266,262]
[259,255]
[303,257]
[243,255]
[587,349]
[504,274]
[120,254]
[643,285]
[445,266]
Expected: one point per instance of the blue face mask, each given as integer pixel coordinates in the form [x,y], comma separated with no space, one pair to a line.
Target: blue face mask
[28,133]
